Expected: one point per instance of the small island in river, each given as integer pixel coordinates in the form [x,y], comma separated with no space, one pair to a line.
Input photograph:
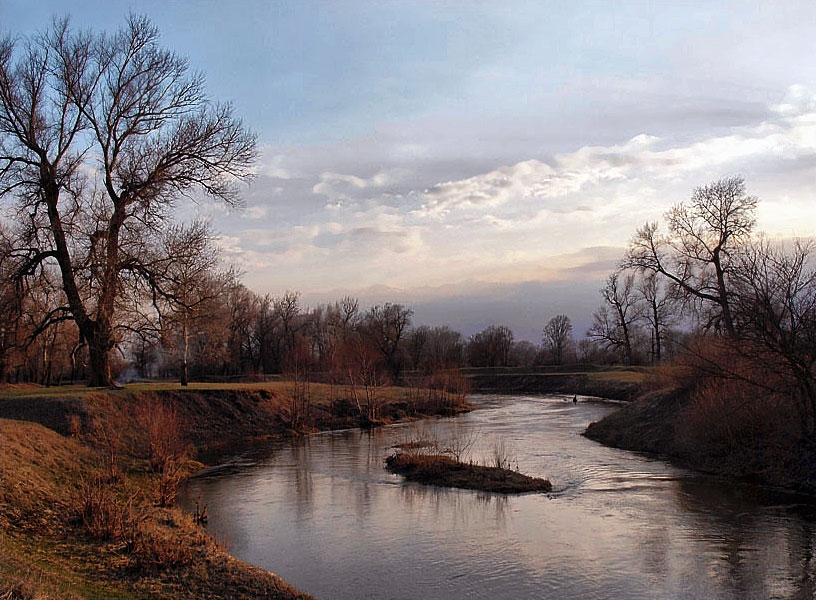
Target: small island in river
[444,470]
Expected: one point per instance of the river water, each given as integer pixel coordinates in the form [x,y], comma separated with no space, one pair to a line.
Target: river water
[324,514]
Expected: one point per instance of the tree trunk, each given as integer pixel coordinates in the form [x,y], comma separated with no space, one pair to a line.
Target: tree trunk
[656,319]
[99,362]
[728,322]
[185,352]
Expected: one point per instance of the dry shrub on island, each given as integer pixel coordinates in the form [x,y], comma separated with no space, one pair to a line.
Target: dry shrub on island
[459,447]
[432,462]
[502,455]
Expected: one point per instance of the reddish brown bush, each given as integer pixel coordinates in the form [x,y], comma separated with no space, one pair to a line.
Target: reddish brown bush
[738,413]
[164,444]
[99,507]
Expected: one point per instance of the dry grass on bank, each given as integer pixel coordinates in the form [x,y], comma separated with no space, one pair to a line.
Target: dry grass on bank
[89,480]
[70,530]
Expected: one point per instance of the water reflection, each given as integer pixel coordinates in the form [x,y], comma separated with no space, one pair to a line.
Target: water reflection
[323,513]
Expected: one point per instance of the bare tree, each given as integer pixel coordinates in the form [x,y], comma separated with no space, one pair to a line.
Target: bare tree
[613,322]
[417,344]
[490,347]
[445,347]
[655,311]
[775,306]
[385,325]
[286,311]
[524,354]
[188,283]
[556,335]
[99,134]
[697,254]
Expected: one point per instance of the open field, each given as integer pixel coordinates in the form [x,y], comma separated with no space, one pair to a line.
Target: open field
[614,382]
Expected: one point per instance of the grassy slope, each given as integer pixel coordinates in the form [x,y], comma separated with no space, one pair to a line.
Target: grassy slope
[44,555]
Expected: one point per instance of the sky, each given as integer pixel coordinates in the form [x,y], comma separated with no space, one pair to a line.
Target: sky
[485,162]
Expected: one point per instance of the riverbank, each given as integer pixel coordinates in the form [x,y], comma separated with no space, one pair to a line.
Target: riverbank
[89,476]
[758,441]
[613,382]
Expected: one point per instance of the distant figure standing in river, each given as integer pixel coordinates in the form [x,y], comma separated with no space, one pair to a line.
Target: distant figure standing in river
[575,399]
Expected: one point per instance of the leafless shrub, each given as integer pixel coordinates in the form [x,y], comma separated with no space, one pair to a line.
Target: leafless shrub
[165,446]
[75,426]
[457,446]
[502,456]
[164,434]
[440,391]
[105,434]
[365,377]
[735,423]
[101,511]
[169,481]
[296,411]
[200,516]
[461,443]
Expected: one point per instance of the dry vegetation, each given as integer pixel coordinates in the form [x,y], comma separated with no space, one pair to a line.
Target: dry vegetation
[449,464]
[722,411]
[88,499]
[71,530]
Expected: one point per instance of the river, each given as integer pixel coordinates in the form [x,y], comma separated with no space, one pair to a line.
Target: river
[324,514]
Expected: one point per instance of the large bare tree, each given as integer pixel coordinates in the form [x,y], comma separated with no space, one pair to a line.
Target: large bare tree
[697,254]
[99,135]
[775,303]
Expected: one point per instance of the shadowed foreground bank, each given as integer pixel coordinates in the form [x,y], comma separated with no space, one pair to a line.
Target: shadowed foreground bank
[90,477]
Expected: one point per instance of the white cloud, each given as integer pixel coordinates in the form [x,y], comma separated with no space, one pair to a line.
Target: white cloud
[593,169]
[338,187]
[411,225]
[256,212]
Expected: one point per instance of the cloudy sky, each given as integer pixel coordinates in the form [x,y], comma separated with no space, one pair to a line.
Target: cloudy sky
[486,162]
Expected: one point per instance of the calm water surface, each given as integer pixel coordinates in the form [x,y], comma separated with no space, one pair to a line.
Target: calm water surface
[323,513]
